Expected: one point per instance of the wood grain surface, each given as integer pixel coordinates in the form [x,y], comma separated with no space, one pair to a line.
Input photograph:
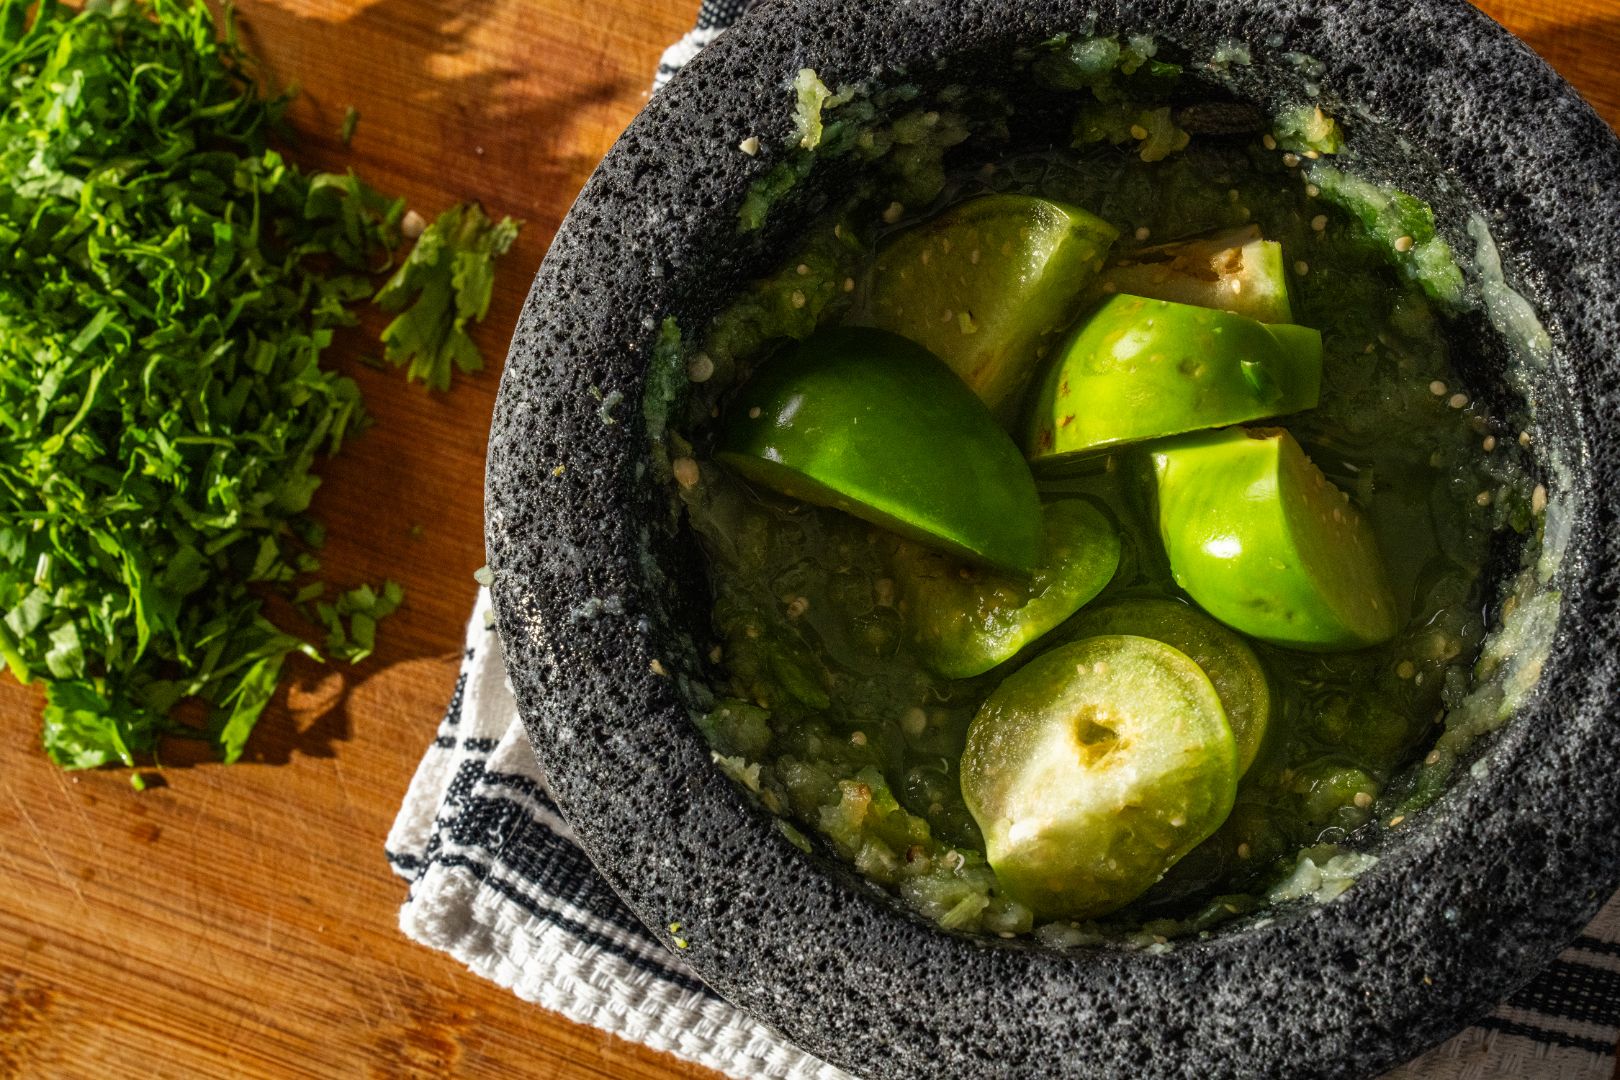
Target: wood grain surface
[241,921]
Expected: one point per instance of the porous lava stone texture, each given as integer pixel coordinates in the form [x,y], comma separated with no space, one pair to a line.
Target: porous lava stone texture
[594,580]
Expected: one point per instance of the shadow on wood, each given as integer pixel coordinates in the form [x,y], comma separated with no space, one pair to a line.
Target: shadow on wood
[472,86]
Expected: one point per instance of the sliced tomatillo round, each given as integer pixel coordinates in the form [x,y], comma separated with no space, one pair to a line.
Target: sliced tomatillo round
[1268,545]
[872,424]
[1235,270]
[1141,369]
[1226,658]
[985,284]
[1093,769]
[964,621]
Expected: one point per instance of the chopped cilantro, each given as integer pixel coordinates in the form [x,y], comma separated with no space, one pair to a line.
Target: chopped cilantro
[443,285]
[351,621]
[168,286]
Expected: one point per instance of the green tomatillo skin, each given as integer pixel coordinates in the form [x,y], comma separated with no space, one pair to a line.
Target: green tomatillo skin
[1268,545]
[1093,769]
[1139,369]
[967,621]
[867,422]
[987,284]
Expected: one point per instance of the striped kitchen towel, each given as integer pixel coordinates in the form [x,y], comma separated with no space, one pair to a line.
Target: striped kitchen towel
[497,882]
[713,17]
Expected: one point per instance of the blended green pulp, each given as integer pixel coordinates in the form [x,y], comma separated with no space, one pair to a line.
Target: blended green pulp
[827,712]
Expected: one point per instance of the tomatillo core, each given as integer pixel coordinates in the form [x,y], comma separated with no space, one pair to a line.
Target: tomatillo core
[1093,769]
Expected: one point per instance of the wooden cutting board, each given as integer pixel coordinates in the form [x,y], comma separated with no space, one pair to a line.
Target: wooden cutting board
[241,921]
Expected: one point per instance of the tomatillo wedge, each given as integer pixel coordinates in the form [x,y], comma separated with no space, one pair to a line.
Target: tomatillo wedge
[1235,270]
[985,284]
[966,621]
[1093,769]
[1142,369]
[1226,658]
[867,422]
[1267,545]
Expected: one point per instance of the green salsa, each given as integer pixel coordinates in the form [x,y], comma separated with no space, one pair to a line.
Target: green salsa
[844,695]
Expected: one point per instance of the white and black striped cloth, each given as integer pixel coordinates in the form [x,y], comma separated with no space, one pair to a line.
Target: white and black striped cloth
[497,882]
[713,17]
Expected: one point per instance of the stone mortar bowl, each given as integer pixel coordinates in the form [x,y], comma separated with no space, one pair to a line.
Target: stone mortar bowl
[593,582]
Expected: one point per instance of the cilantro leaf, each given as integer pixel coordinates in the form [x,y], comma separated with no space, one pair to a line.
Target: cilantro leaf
[351,622]
[444,284]
[84,728]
